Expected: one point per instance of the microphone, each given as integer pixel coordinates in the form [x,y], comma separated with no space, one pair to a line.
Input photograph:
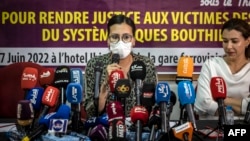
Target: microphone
[139,116]
[61,80]
[25,114]
[35,97]
[49,99]
[115,58]
[183,132]
[122,91]
[137,73]
[162,97]
[98,133]
[98,72]
[116,120]
[154,122]
[44,123]
[43,126]
[113,78]
[219,92]
[247,115]
[186,96]
[74,96]
[46,77]
[94,121]
[29,79]
[185,68]
[148,95]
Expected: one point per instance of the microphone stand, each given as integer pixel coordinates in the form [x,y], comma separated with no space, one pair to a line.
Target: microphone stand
[217,129]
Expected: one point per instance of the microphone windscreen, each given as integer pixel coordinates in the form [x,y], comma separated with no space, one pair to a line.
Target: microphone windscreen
[45,120]
[122,88]
[139,113]
[74,93]
[35,97]
[76,76]
[218,88]
[46,76]
[148,94]
[162,92]
[63,112]
[186,92]
[91,122]
[62,76]
[114,77]
[115,111]
[29,78]
[50,96]
[98,133]
[117,130]
[115,58]
[185,67]
[154,117]
[137,70]
[25,112]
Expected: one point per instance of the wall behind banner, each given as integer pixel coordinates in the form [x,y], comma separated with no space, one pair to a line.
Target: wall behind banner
[53,33]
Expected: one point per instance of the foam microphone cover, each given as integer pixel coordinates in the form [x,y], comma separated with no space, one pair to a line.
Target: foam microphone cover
[63,112]
[98,133]
[186,93]
[162,92]
[114,77]
[74,93]
[76,76]
[25,112]
[137,70]
[148,94]
[115,111]
[46,76]
[50,96]
[139,113]
[117,130]
[115,58]
[29,78]
[62,76]
[35,97]
[218,88]
[122,88]
[185,68]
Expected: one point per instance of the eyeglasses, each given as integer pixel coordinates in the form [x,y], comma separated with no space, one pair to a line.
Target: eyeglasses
[115,38]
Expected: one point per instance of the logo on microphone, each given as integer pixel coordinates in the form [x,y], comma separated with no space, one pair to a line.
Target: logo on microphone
[63,70]
[220,85]
[123,89]
[45,74]
[135,67]
[31,77]
[58,125]
[163,89]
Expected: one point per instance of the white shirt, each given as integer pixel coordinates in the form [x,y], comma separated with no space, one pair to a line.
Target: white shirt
[237,85]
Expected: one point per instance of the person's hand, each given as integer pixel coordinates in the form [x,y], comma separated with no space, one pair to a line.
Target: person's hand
[112,67]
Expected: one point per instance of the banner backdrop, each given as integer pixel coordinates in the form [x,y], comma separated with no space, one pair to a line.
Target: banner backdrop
[70,32]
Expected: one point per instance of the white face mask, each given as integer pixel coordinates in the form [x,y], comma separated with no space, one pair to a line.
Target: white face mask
[123,49]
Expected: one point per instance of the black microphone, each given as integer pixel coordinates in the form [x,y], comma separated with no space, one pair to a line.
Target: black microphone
[115,58]
[247,115]
[61,80]
[122,91]
[138,73]
[171,104]
[148,95]
[98,72]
